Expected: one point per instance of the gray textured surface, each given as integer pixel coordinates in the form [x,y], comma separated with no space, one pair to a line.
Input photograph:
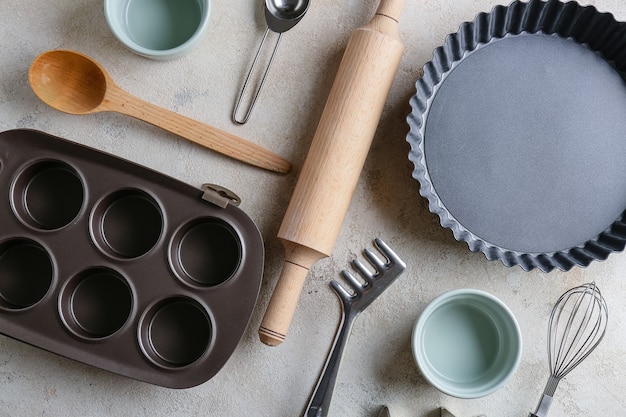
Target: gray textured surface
[264,381]
[510,143]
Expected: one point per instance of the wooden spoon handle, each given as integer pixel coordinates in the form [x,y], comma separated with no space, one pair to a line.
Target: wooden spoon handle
[200,133]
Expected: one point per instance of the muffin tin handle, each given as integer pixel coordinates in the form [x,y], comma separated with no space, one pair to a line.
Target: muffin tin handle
[219,196]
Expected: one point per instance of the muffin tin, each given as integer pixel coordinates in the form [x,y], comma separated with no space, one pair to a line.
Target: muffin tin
[120,267]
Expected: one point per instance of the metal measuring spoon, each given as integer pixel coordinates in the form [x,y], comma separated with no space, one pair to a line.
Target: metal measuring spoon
[280,15]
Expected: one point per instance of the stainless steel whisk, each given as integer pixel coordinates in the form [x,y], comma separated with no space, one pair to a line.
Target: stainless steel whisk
[577,325]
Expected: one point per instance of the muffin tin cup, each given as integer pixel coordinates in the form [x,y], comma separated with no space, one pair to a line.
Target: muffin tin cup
[175,332]
[96,303]
[47,195]
[117,266]
[126,224]
[201,261]
[26,273]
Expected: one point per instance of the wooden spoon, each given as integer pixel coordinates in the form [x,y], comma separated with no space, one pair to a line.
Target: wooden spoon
[74,83]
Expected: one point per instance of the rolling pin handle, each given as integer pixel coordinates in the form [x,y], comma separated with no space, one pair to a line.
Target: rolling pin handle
[282,306]
[279,314]
[391,9]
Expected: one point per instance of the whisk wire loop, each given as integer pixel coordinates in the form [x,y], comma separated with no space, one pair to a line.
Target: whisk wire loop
[571,342]
[577,325]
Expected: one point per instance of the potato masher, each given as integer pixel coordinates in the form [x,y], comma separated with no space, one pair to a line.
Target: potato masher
[353,303]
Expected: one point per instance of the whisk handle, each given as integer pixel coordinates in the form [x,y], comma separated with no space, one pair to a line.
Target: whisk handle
[542,408]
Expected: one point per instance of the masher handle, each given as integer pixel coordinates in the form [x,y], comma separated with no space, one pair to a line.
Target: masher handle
[322,396]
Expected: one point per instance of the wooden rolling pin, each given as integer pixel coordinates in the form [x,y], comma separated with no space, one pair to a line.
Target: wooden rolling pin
[335,160]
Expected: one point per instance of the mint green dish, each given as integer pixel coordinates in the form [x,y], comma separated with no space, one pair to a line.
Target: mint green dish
[467,343]
[158,29]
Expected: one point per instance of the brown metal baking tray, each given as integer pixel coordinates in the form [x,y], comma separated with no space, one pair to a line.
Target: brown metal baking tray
[118,266]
